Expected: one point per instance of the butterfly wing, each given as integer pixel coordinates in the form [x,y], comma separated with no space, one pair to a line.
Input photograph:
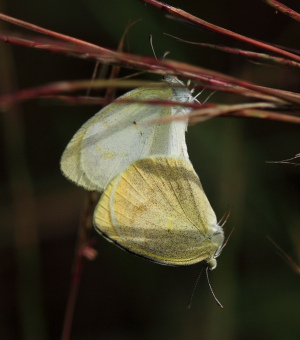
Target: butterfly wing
[157,209]
[116,136]
[119,137]
[70,162]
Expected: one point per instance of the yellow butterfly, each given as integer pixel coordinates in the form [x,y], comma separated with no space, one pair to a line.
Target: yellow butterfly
[157,209]
[116,136]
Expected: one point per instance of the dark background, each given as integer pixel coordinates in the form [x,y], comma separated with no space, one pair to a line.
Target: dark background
[122,296]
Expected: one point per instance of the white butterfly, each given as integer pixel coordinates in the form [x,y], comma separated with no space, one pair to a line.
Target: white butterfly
[115,137]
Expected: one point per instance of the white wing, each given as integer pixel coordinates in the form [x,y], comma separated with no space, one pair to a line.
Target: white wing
[114,138]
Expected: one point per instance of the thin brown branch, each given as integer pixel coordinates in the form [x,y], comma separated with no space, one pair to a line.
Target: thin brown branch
[69,86]
[249,54]
[252,110]
[205,76]
[287,161]
[80,253]
[284,9]
[214,83]
[76,100]
[48,32]
[217,29]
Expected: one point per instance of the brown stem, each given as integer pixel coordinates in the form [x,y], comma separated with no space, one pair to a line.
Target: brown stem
[214,28]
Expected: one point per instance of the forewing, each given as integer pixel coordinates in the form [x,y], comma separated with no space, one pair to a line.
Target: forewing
[70,163]
[115,137]
[118,137]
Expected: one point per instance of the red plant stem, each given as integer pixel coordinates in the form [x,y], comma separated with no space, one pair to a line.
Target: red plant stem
[54,34]
[166,66]
[284,9]
[82,241]
[75,282]
[250,54]
[214,28]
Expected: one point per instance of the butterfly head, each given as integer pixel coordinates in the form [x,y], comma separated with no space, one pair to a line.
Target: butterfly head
[217,238]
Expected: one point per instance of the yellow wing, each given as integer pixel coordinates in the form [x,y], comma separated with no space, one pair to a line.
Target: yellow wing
[157,209]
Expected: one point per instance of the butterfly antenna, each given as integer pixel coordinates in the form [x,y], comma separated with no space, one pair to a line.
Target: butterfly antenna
[224,218]
[209,96]
[226,241]
[221,223]
[194,289]
[166,54]
[217,301]
[151,44]
[224,244]
[197,95]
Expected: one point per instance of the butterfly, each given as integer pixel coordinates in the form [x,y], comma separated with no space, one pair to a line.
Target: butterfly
[117,135]
[157,209]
